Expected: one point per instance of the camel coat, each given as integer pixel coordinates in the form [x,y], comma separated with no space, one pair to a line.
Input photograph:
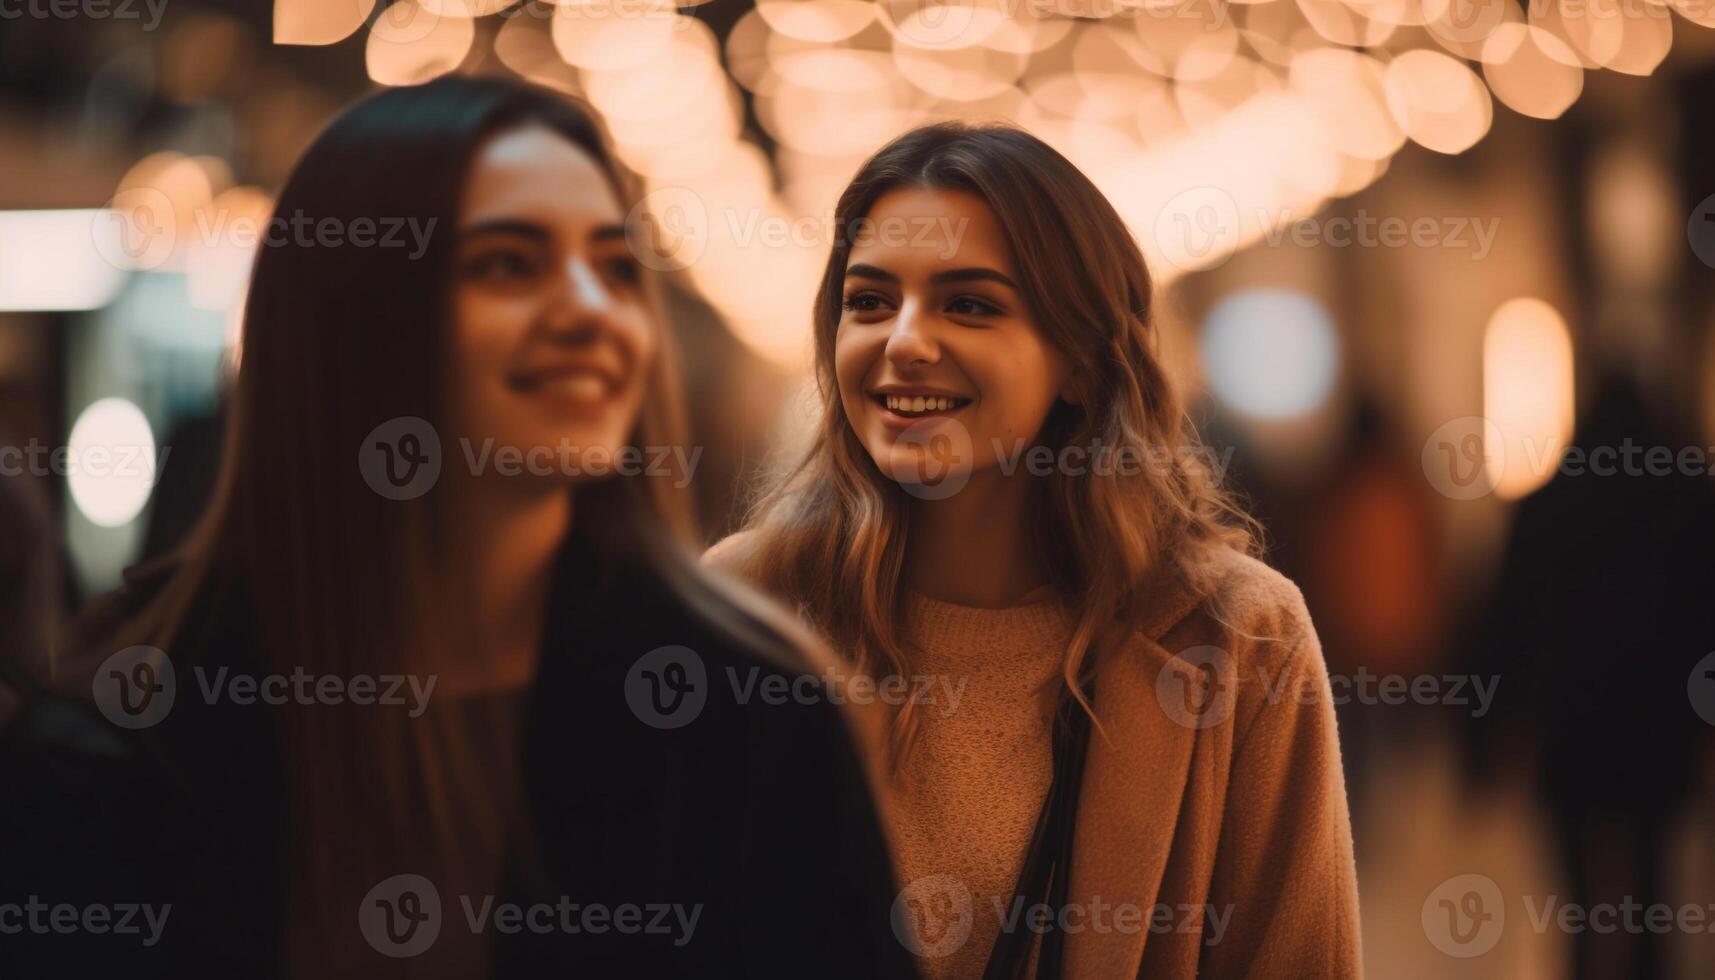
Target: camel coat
[1230,798]
[1216,794]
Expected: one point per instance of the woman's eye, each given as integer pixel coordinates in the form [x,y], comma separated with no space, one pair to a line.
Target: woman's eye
[863,302]
[499,266]
[625,270]
[971,306]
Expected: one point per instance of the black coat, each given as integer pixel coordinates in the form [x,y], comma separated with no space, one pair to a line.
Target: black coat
[755,816]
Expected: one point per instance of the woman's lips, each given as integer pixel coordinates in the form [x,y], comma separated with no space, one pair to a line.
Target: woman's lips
[901,411]
[577,387]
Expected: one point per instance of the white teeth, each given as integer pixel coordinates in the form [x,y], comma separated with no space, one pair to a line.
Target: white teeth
[581,386]
[918,403]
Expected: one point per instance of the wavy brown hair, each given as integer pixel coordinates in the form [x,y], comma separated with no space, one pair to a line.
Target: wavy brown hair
[831,533]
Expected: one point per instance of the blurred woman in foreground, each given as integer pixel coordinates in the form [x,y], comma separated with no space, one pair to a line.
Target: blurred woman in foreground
[436,688]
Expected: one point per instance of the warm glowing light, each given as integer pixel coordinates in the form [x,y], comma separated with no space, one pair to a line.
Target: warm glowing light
[318,21]
[1532,71]
[110,462]
[1438,101]
[942,25]
[410,43]
[1185,41]
[960,74]
[613,34]
[1270,353]
[1348,91]
[217,265]
[1343,25]
[1462,26]
[60,260]
[1527,395]
[467,8]
[823,21]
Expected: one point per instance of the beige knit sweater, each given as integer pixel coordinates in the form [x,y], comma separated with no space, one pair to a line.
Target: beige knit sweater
[964,811]
[1213,836]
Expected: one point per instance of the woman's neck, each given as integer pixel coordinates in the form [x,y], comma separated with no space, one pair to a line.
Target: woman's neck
[504,547]
[974,548]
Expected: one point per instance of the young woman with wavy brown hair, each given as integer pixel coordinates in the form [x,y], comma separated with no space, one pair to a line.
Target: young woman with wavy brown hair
[1131,766]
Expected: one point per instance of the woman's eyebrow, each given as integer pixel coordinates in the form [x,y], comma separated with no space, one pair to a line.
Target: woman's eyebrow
[971,274]
[974,274]
[864,271]
[505,226]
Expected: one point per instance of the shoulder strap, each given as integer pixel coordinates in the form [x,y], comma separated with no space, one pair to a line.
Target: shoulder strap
[1047,865]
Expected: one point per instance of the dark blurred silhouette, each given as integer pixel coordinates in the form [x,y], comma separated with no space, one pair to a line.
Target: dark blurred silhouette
[1601,609]
[186,484]
[30,600]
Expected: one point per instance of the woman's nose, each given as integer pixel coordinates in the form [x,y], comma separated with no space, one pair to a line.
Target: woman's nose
[910,342]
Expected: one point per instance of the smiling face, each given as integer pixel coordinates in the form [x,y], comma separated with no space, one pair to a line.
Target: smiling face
[552,336]
[936,340]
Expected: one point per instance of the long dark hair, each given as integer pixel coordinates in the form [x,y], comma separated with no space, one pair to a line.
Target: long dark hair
[831,534]
[336,341]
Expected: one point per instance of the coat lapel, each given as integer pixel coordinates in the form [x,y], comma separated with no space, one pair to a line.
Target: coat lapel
[1134,782]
